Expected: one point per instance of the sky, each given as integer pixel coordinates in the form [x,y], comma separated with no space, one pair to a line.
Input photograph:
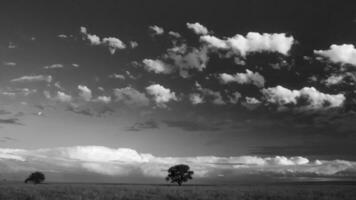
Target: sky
[121,90]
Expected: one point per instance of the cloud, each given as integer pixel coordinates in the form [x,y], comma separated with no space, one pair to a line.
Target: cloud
[17,91]
[174,34]
[211,95]
[9,64]
[187,58]
[344,54]
[53,66]
[117,76]
[10,121]
[85,92]
[198,28]
[63,36]
[61,97]
[251,103]
[235,97]
[253,42]
[131,97]
[112,43]
[334,80]
[191,125]
[244,78]
[157,66]
[149,124]
[77,110]
[34,78]
[103,99]
[124,162]
[156,29]
[196,98]
[161,95]
[133,44]
[308,98]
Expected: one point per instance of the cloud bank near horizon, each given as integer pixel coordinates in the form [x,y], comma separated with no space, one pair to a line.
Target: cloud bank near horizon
[125,162]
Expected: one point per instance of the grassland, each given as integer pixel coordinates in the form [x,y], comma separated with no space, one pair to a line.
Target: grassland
[19,191]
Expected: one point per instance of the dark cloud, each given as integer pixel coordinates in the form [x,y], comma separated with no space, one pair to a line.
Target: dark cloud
[14,121]
[149,124]
[4,112]
[192,126]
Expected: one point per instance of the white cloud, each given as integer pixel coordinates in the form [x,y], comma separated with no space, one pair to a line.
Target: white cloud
[156,29]
[62,97]
[157,66]
[253,42]
[117,76]
[9,64]
[334,80]
[122,162]
[34,78]
[196,98]
[112,43]
[75,65]
[345,54]
[161,95]
[85,92]
[53,66]
[131,96]
[174,34]
[312,99]
[251,103]
[103,99]
[211,95]
[133,44]
[187,59]
[198,28]
[244,78]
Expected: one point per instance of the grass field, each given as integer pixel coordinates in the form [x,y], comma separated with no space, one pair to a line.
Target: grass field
[329,191]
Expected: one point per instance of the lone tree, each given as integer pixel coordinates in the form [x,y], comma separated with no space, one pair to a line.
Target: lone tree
[179,174]
[35,178]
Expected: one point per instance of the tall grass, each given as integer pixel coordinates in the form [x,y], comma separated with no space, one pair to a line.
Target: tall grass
[18,191]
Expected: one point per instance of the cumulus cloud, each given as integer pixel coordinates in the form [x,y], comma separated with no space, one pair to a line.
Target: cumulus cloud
[210,95]
[187,58]
[103,99]
[126,162]
[251,103]
[63,97]
[157,66]
[344,54]
[244,78]
[131,97]
[161,95]
[307,98]
[334,80]
[196,98]
[198,28]
[34,78]
[85,92]
[156,29]
[112,43]
[252,42]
